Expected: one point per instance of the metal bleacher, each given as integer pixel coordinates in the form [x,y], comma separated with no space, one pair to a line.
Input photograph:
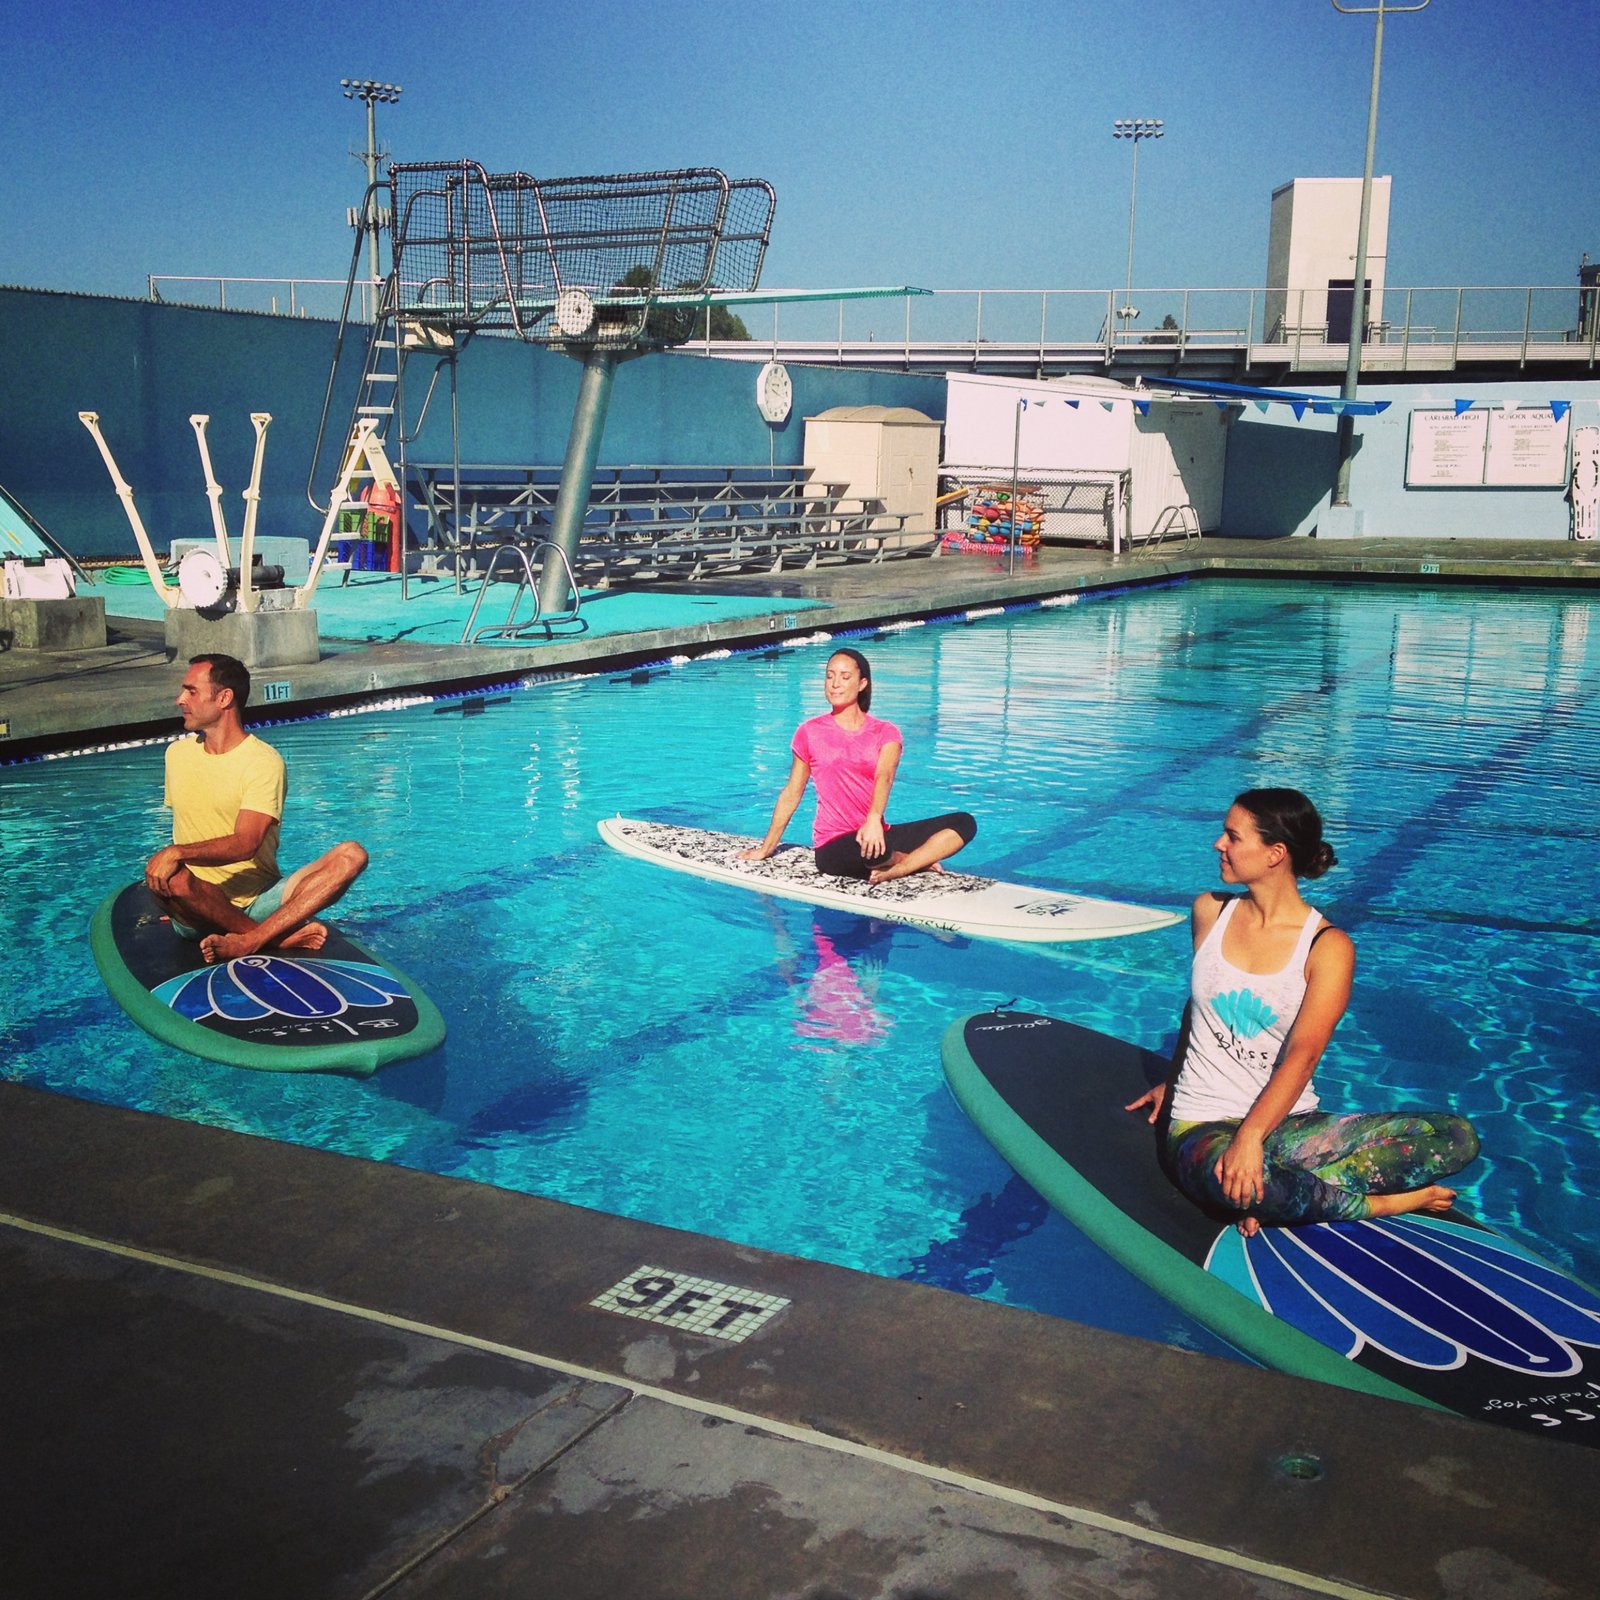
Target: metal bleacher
[646,522]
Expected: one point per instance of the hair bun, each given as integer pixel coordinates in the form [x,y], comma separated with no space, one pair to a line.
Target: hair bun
[1322,860]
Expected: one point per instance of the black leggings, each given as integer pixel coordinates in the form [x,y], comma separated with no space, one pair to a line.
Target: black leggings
[842,858]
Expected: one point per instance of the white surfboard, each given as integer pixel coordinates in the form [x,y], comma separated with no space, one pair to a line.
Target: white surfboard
[981,908]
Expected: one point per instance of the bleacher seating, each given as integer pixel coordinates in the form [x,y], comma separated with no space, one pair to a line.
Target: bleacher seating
[649,523]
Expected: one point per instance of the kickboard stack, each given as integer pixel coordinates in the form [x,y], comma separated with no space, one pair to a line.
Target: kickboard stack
[995,520]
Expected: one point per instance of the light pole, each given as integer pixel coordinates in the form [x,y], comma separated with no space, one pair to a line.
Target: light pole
[1358,291]
[370,93]
[1134,128]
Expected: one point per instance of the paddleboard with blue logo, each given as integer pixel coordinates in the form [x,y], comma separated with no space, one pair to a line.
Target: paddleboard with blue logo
[337,1009]
[1439,1311]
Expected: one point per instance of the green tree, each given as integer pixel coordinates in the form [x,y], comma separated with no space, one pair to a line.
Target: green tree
[1167,333]
[718,322]
[678,324]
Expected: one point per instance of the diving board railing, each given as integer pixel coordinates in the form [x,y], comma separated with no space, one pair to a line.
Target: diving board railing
[601,268]
[553,260]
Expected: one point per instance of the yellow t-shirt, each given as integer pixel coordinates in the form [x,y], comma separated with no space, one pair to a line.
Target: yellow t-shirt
[207,793]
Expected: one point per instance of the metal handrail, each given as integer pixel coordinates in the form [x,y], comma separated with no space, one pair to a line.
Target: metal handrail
[511,628]
[1210,319]
[1178,518]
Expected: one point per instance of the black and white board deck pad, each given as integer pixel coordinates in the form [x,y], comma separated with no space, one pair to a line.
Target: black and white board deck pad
[956,902]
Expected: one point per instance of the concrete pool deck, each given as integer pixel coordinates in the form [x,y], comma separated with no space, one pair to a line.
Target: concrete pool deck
[239,1367]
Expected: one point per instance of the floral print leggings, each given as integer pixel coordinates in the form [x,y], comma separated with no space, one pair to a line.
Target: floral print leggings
[1321,1168]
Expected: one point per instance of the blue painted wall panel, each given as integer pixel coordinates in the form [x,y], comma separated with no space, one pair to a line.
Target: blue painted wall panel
[1280,472]
[145,367]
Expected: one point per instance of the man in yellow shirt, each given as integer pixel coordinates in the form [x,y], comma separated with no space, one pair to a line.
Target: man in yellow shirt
[218,880]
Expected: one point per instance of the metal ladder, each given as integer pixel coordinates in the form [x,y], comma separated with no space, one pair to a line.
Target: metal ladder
[380,389]
[512,629]
[1180,520]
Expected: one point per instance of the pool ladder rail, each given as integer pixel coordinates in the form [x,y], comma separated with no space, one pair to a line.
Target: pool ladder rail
[511,629]
[1179,521]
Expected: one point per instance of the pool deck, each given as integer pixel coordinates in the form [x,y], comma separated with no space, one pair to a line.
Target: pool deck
[244,1368]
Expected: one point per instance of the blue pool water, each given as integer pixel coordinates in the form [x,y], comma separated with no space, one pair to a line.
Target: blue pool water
[648,1044]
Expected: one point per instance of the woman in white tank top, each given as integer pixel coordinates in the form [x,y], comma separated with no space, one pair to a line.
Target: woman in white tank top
[1271,979]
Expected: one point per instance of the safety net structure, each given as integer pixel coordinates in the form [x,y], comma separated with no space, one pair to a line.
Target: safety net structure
[624,260]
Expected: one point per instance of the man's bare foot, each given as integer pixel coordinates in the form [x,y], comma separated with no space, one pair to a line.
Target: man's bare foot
[1435,1198]
[1249,1226]
[226,946]
[230,946]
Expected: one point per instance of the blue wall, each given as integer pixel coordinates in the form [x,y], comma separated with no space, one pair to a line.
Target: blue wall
[1280,472]
[145,367]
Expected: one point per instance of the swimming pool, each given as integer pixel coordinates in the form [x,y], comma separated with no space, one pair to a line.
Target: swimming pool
[643,1043]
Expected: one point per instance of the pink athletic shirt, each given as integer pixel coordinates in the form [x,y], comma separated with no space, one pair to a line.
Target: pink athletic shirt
[844,767]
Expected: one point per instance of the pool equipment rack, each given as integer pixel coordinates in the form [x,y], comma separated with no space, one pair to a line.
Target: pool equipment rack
[229,585]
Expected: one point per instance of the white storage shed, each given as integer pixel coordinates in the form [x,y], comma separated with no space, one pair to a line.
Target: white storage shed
[884,453]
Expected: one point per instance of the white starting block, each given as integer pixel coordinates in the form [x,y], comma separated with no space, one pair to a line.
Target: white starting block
[40,578]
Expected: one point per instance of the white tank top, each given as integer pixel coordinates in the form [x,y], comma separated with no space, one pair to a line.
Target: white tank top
[1238,1022]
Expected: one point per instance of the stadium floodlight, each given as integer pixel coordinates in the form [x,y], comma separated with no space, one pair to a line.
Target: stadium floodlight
[1134,129]
[371,94]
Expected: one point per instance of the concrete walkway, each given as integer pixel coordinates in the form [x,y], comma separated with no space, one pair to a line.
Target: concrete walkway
[242,1368]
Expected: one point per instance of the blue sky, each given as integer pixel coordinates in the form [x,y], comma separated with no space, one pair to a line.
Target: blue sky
[947,144]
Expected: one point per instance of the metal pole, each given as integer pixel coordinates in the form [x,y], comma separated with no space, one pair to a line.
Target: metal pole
[455,465]
[1133,211]
[370,92]
[1358,292]
[1134,128]
[577,474]
[372,178]
[1016,452]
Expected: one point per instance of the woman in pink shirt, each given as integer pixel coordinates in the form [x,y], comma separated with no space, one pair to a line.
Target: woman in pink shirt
[853,756]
